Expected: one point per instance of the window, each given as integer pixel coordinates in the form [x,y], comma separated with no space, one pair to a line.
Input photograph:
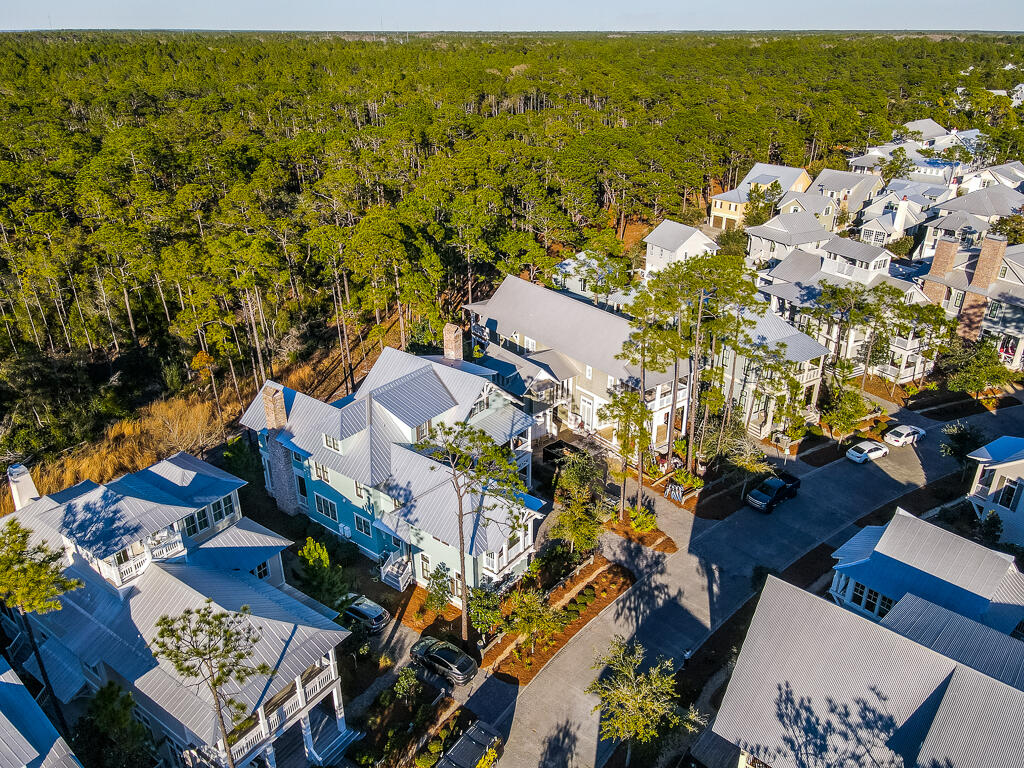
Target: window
[191,529]
[1002,271]
[611,383]
[872,601]
[1007,493]
[884,606]
[958,298]
[122,557]
[590,372]
[261,571]
[529,343]
[326,507]
[424,565]
[359,491]
[321,472]
[300,488]
[1018,631]
[218,510]
[363,525]
[858,592]
[296,457]
[423,430]
[229,506]
[333,443]
[490,561]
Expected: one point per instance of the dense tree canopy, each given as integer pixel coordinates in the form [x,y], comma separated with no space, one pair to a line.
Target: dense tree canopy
[253,195]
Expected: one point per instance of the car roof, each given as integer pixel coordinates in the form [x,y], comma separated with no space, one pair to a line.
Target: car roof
[865,444]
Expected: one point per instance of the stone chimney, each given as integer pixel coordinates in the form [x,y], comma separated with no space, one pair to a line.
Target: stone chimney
[452,342]
[986,270]
[23,487]
[942,263]
[273,405]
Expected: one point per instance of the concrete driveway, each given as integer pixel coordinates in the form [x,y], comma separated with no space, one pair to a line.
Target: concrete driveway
[681,598]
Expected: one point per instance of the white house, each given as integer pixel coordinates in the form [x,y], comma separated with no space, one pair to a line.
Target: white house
[849,190]
[158,542]
[670,242]
[998,485]
[968,217]
[773,241]
[1008,175]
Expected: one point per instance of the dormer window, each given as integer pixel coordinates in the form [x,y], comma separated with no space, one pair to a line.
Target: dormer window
[333,443]
[423,430]
[1002,271]
[480,405]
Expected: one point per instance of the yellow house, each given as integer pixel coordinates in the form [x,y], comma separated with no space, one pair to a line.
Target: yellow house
[727,208]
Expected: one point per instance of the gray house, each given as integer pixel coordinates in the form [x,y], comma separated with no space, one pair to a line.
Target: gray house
[157,542]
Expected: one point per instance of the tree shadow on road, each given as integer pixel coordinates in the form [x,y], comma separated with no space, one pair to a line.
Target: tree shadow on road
[559,746]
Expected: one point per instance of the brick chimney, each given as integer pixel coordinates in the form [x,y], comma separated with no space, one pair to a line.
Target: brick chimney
[993,248]
[942,263]
[273,405]
[452,342]
[23,487]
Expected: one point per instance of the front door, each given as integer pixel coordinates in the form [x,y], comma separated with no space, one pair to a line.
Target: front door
[587,412]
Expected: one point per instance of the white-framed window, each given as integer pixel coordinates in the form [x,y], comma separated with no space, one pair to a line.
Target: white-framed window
[326,507]
[424,565]
[884,606]
[611,382]
[490,561]
[590,372]
[1002,271]
[1007,494]
[321,472]
[423,430]
[199,521]
[333,443]
[217,508]
[359,489]
[229,505]
[363,525]
[858,593]
[261,571]
[300,489]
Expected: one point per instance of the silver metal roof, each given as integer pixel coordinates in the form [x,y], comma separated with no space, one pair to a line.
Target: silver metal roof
[791,229]
[853,249]
[27,737]
[1004,448]
[770,329]
[239,547]
[763,174]
[996,200]
[671,235]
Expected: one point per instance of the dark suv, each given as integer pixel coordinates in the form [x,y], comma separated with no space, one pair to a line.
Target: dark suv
[773,492]
[444,659]
[364,611]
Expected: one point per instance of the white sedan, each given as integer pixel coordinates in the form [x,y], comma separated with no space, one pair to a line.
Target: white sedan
[905,434]
[867,450]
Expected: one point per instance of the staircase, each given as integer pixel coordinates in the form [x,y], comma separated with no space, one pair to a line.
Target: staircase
[396,572]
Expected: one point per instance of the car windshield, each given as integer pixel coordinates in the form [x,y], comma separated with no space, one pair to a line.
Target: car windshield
[367,608]
[858,449]
[901,431]
[769,486]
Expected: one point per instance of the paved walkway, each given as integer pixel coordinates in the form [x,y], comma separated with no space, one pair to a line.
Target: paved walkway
[680,599]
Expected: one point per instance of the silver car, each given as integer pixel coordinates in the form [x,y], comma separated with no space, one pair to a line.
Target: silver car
[905,434]
[867,450]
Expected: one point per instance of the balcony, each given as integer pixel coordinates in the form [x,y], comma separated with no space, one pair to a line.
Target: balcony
[904,343]
[131,569]
[161,549]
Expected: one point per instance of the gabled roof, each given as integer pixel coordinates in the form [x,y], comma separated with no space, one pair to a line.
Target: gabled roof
[104,519]
[27,737]
[996,200]
[854,249]
[958,220]
[808,201]
[861,185]
[671,235]
[791,229]
[813,677]
[763,174]
[914,557]
[1002,449]
[239,547]
[583,333]
[770,330]
[928,128]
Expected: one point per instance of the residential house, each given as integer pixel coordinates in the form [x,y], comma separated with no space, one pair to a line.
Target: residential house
[998,485]
[890,218]
[850,190]
[772,241]
[881,564]
[670,242]
[793,285]
[923,141]
[1008,175]
[356,468]
[576,275]
[823,208]
[727,208]
[27,737]
[579,343]
[968,217]
[984,290]
[757,394]
[817,684]
[158,542]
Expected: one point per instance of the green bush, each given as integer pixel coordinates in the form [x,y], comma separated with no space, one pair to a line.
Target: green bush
[386,698]
[688,479]
[589,591]
[643,520]
[427,759]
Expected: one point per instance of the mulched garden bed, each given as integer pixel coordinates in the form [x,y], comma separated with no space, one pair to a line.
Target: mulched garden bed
[879,387]
[413,618]
[936,397]
[972,408]
[392,725]
[833,451]
[608,586]
[657,539]
[919,500]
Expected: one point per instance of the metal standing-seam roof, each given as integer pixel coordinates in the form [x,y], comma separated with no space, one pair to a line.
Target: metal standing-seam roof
[27,737]
[416,397]
[853,249]
[763,174]
[239,547]
[815,677]
[1003,448]
[791,229]
[671,235]
[63,669]
[996,200]
[770,329]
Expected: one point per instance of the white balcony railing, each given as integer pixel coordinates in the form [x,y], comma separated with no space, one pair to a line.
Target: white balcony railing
[131,569]
[168,547]
[318,683]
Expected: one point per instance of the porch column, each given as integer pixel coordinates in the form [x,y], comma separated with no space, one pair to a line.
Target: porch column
[269,756]
[300,691]
[835,582]
[307,740]
[339,708]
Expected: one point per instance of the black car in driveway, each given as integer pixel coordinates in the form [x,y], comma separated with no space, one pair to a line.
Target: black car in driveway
[773,491]
[362,610]
[444,659]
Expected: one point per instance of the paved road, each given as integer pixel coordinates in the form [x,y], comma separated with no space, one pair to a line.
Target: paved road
[681,598]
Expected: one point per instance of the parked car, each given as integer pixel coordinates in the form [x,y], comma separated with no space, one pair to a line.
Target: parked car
[867,450]
[558,450]
[362,610]
[444,659]
[773,492]
[904,434]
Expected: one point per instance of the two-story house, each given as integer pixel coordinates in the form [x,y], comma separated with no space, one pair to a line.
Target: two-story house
[670,242]
[850,191]
[881,564]
[357,467]
[823,208]
[816,684]
[581,345]
[582,276]
[984,290]
[728,208]
[998,485]
[1008,174]
[967,218]
[27,737]
[158,542]
[890,217]
[773,241]
[793,285]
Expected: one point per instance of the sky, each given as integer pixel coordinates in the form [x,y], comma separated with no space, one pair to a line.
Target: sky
[512,15]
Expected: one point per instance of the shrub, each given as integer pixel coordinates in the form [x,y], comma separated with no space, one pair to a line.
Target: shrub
[385,662]
[436,745]
[386,698]
[589,591]
[489,758]
[687,479]
[427,759]
[643,520]
[407,685]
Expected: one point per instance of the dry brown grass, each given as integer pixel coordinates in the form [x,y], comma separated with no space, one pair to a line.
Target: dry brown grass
[163,428]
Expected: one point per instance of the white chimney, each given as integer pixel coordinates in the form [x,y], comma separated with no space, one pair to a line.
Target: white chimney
[23,488]
[899,221]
